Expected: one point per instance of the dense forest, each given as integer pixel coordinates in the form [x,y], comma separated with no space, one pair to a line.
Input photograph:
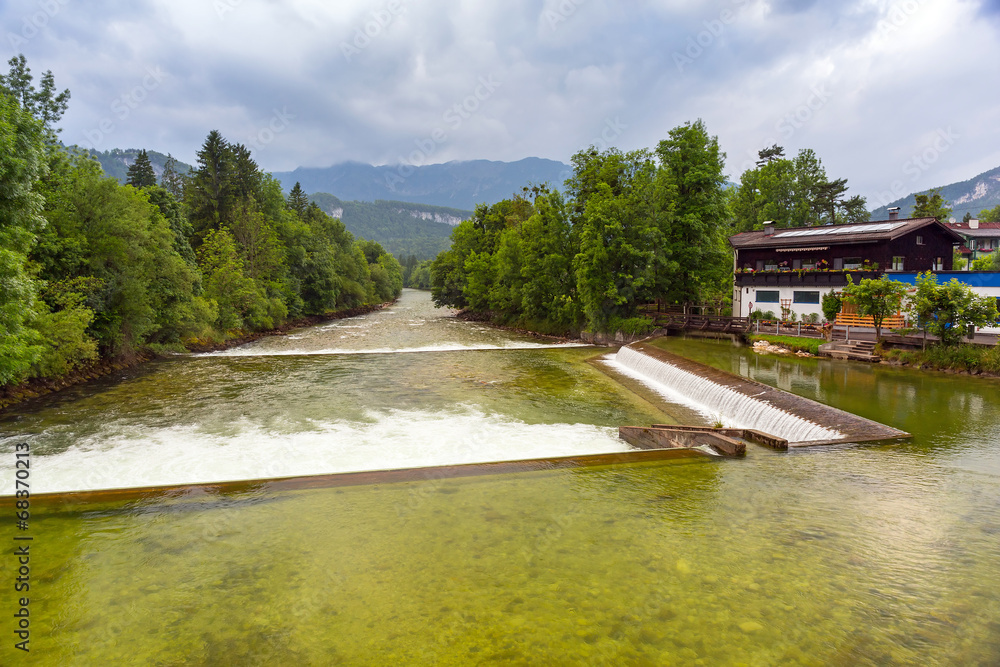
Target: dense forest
[91,268]
[631,228]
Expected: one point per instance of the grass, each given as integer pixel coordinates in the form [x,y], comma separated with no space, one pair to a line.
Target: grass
[964,357]
[793,343]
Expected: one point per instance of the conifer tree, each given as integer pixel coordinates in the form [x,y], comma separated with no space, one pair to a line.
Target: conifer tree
[297,200]
[140,172]
[170,180]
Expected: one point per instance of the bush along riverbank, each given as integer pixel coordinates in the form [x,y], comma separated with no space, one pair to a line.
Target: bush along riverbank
[963,358]
[39,386]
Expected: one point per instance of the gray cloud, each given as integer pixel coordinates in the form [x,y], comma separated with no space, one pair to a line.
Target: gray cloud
[866,83]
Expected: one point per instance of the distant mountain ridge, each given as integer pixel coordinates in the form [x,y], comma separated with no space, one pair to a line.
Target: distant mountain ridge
[971,196]
[402,228]
[460,185]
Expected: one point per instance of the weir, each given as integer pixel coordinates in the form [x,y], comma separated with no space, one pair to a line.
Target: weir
[749,404]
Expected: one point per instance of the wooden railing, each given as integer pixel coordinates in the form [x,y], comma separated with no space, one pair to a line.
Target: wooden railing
[891,322]
[701,322]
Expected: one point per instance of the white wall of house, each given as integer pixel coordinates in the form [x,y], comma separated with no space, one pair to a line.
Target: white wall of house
[799,296]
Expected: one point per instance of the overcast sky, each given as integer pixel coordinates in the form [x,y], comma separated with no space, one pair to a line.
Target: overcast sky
[896,96]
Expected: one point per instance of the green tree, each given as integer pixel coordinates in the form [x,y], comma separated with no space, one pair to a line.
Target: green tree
[22,163]
[877,298]
[946,310]
[692,180]
[240,301]
[832,304]
[989,215]
[297,200]
[931,205]
[140,172]
[208,195]
[115,235]
[44,103]
[170,179]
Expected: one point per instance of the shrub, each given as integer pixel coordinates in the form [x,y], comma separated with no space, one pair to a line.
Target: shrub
[632,326]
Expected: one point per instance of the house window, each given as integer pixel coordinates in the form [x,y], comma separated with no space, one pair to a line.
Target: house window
[920,240]
[768,296]
[770,265]
[809,264]
[760,265]
[939,264]
[897,263]
[796,264]
[853,262]
[838,263]
[805,297]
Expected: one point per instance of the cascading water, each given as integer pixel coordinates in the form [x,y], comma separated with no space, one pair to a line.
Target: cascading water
[714,400]
[408,386]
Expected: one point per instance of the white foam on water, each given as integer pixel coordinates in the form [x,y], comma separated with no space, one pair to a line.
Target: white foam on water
[714,401]
[136,456]
[443,347]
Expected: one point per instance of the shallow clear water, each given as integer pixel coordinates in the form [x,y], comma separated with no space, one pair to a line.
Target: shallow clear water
[845,556]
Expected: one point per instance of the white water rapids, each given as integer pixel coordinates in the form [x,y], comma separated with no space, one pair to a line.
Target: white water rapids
[715,401]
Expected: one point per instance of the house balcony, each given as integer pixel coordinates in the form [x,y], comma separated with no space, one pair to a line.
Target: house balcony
[802,278]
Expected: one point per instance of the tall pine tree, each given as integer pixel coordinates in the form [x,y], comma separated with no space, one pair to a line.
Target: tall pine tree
[297,200]
[140,172]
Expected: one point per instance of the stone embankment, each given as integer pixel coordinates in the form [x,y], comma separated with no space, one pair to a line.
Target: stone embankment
[763,347]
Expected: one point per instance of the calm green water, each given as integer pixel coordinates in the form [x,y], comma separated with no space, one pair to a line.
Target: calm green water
[848,556]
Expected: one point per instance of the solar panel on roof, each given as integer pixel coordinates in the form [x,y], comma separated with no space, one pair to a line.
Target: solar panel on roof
[842,229]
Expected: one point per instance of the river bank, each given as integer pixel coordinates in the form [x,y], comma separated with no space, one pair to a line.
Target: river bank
[11,395]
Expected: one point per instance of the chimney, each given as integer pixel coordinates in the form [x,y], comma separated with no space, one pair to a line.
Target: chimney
[894,213]
[769,228]
[973,224]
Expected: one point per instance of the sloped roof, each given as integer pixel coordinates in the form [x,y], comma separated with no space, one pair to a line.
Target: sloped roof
[867,232]
[989,230]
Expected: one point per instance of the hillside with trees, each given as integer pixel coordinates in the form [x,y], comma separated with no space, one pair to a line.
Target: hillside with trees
[461,185]
[116,162]
[404,229]
[96,269]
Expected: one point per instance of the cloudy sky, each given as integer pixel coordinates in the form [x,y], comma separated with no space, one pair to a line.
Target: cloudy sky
[895,95]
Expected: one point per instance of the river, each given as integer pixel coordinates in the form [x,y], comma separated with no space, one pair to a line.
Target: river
[836,556]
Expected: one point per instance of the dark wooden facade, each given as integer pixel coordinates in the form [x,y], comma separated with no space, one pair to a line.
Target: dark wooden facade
[933,252]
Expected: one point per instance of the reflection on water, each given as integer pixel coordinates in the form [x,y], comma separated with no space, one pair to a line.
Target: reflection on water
[846,556]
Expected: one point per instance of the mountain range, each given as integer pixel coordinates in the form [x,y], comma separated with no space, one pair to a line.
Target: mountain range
[460,185]
[971,196]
